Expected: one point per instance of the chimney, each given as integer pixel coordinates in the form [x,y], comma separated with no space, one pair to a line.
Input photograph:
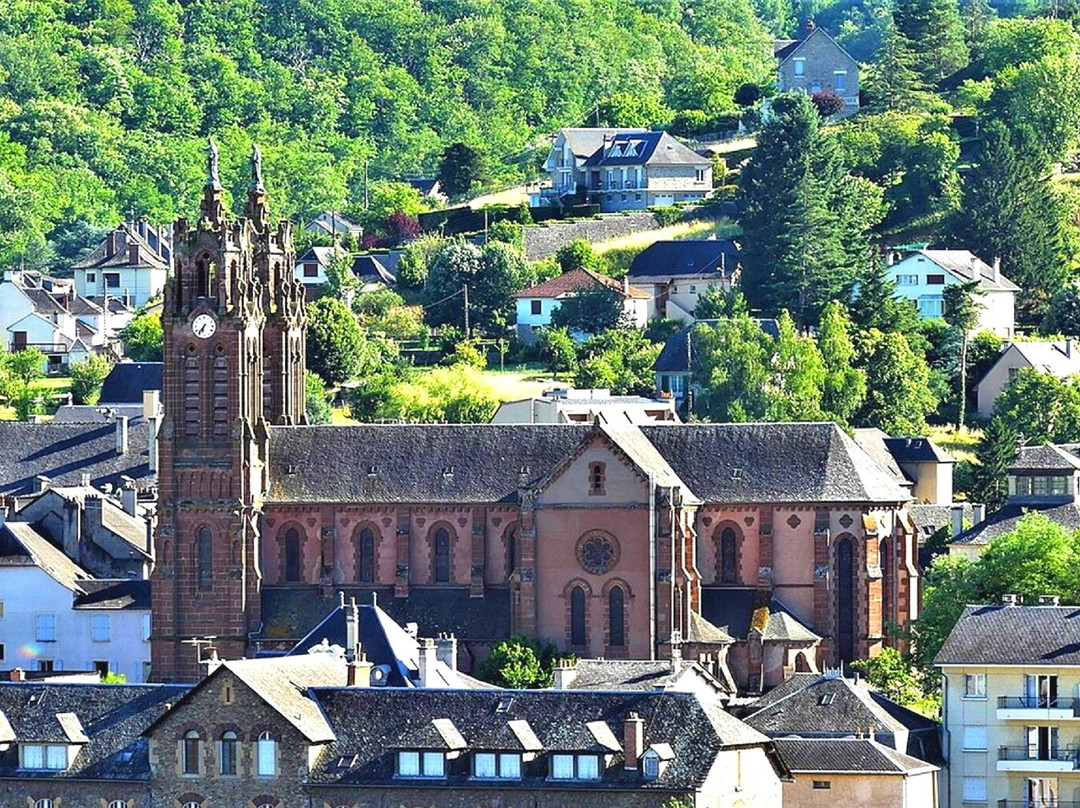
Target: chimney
[428,658]
[127,297]
[84,479]
[565,673]
[633,740]
[446,650]
[17,675]
[890,257]
[128,494]
[957,520]
[974,264]
[151,403]
[114,242]
[352,629]
[133,253]
[121,434]
[1010,600]
[676,651]
[1049,600]
[41,484]
[1068,348]
[978,514]
[626,285]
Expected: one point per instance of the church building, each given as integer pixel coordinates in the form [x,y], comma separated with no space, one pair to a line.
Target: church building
[780,546]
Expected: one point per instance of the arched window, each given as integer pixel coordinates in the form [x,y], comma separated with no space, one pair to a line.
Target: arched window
[205,549]
[577,616]
[292,554]
[118,804]
[190,752]
[442,556]
[205,271]
[192,804]
[229,745]
[46,803]
[616,617]
[845,601]
[729,569]
[365,559]
[266,755]
[885,563]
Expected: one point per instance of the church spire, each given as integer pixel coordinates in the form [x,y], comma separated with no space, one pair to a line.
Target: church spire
[213,207]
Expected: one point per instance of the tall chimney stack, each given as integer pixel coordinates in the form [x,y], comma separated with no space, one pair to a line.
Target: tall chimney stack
[121,434]
[633,740]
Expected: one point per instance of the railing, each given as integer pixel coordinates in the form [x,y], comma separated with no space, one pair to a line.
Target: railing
[1037,703]
[1039,803]
[1021,753]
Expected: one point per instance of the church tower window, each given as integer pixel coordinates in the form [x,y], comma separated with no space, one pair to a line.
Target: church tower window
[365,561]
[729,568]
[205,550]
[442,556]
[292,554]
[577,616]
[845,600]
[616,617]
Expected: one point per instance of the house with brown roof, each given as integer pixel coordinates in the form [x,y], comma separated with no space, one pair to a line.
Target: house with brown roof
[536,304]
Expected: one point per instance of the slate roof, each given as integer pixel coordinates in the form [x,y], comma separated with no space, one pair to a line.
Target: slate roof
[1005,520]
[630,674]
[914,449]
[1044,458]
[372,723]
[826,706]
[872,441]
[104,256]
[929,519]
[785,48]
[63,452]
[584,141]
[21,545]
[959,264]
[644,148]
[702,631]
[679,351]
[578,280]
[846,755]
[112,716]
[1062,359]
[758,462]
[291,613]
[1014,635]
[370,269]
[425,185]
[114,594]
[731,463]
[699,258]
[127,381]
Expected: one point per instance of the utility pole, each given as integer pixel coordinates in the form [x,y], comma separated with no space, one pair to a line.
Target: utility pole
[465,288]
[365,184]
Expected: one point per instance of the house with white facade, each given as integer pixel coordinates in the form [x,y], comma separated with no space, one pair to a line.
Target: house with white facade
[129,265]
[1058,357]
[536,304]
[38,311]
[622,169]
[922,275]
[333,224]
[54,615]
[678,273]
[1010,693]
[311,267]
[572,406]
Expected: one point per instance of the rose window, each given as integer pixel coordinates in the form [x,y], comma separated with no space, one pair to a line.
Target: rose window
[597,553]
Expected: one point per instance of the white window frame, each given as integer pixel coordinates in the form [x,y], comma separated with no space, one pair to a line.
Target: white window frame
[974,685]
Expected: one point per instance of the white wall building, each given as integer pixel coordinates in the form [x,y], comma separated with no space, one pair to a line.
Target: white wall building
[1061,358]
[923,275]
[536,304]
[54,616]
[130,265]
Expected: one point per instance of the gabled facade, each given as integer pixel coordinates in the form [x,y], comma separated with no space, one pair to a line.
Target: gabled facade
[676,274]
[537,304]
[622,169]
[923,275]
[334,225]
[1060,358]
[817,64]
[130,265]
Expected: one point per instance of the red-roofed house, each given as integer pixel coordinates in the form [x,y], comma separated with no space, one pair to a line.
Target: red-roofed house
[536,304]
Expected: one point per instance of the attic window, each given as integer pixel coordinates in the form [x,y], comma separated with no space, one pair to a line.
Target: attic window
[736,474]
[597,473]
[826,699]
[615,151]
[505,704]
[347,761]
[43,757]
[492,766]
[448,473]
[372,471]
[575,767]
[421,764]
[631,149]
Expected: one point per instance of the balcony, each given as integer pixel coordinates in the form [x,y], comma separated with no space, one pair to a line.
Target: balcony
[1027,759]
[1037,708]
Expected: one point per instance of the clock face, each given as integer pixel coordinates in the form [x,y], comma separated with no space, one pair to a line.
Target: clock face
[204,326]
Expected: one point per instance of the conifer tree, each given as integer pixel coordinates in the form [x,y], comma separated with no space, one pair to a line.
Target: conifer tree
[962,315]
[844,384]
[892,83]
[995,453]
[934,34]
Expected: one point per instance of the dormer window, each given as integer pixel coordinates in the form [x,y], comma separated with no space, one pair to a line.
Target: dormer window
[650,766]
[501,766]
[421,764]
[575,767]
[43,757]
[655,760]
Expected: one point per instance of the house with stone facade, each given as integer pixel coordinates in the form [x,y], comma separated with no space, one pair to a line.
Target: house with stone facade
[622,169]
[815,64]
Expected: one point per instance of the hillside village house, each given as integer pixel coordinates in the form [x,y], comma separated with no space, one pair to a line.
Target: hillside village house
[817,64]
[922,276]
[538,303]
[677,273]
[562,405]
[1010,689]
[1060,358]
[620,169]
[130,265]
[335,225]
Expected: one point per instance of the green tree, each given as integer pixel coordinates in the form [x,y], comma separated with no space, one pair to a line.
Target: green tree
[948,586]
[899,397]
[731,369]
[492,273]
[620,359]
[341,281]
[575,254]
[316,405]
[558,350]
[519,663]
[412,269]
[450,395]
[460,169]
[334,341]
[994,455]
[26,366]
[630,110]
[591,310]
[797,375]
[804,220]
[87,377]
[962,315]
[934,34]
[878,307]
[1040,407]
[143,338]
[893,676]
[1063,316]
[844,385]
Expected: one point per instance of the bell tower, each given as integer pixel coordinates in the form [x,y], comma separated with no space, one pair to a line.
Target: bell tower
[213,438]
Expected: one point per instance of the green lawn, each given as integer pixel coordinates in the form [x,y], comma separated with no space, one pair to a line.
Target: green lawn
[960,444]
